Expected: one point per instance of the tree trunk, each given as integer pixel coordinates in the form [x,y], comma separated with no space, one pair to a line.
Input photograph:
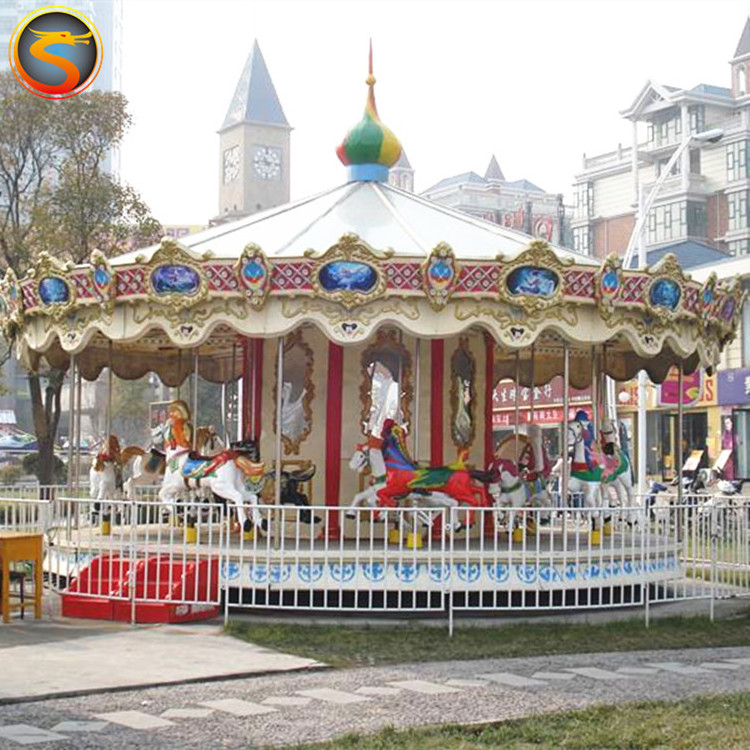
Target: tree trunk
[45,410]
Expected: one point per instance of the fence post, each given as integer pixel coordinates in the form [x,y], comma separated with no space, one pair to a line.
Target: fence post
[134,509]
[450,572]
[714,553]
[645,542]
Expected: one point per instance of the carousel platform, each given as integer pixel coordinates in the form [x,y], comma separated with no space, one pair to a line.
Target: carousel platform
[552,565]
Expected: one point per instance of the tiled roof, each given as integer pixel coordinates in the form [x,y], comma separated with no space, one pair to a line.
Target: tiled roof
[493,170]
[457,180]
[743,46]
[524,185]
[707,88]
[255,98]
[689,254]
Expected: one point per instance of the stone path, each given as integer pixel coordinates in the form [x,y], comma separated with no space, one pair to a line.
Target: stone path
[285,709]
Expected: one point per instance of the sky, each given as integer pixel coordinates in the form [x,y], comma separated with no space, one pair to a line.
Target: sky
[537,83]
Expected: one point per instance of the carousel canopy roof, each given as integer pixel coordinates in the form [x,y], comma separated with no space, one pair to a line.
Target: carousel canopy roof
[385,217]
[355,259]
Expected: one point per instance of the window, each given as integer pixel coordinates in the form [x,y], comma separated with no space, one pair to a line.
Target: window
[584,197]
[695,161]
[737,161]
[662,163]
[697,115]
[741,81]
[667,222]
[582,240]
[739,247]
[737,210]
[697,219]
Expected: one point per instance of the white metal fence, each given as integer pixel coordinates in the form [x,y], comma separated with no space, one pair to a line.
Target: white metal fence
[389,560]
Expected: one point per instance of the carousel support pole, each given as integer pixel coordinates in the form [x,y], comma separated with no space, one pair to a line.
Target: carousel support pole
[594,393]
[489,394]
[565,473]
[250,354]
[195,398]
[108,429]
[437,388]
[489,447]
[417,373]
[680,410]
[517,411]
[279,390]
[334,399]
[532,386]
[79,383]
[518,532]
[257,384]
[71,418]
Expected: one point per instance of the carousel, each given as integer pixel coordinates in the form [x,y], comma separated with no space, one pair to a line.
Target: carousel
[364,331]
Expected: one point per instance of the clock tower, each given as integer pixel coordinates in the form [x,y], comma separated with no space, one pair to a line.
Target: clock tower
[253,146]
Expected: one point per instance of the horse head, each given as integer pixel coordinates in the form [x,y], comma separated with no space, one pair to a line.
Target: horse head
[508,472]
[360,459]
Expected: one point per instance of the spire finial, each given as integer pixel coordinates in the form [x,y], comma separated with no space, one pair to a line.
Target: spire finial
[370,147]
[370,78]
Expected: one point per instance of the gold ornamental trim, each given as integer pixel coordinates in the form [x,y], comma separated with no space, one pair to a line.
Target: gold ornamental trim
[439,290]
[665,272]
[608,285]
[350,249]
[48,267]
[539,257]
[173,253]
[104,290]
[256,291]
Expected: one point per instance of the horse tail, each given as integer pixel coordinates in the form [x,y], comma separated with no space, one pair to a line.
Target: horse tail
[130,452]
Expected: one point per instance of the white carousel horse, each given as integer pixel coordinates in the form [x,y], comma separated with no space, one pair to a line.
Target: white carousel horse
[229,476]
[149,466]
[371,457]
[583,478]
[513,491]
[616,469]
[105,474]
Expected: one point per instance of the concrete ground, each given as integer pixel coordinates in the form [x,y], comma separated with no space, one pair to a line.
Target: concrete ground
[61,656]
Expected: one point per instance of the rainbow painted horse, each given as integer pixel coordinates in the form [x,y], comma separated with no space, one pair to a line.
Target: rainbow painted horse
[404,477]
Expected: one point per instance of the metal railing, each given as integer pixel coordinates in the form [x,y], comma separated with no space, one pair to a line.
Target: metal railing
[393,560]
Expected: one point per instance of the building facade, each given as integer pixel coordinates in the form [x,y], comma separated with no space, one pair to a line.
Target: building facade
[254,146]
[705,197]
[517,204]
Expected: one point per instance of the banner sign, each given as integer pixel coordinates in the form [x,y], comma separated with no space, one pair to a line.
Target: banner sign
[698,389]
[734,386]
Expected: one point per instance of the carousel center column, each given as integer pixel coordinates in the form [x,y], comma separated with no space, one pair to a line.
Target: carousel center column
[334,394]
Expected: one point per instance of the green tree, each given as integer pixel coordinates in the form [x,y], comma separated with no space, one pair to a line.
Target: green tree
[55,196]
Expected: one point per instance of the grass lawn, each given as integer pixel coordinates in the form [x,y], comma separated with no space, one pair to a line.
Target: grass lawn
[345,646]
[696,724]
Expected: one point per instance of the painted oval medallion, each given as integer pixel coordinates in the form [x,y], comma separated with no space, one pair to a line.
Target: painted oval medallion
[53,290]
[665,293]
[533,281]
[347,275]
[175,279]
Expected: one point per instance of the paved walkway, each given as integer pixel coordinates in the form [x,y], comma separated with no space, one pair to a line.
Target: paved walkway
[53,658]
[278,710]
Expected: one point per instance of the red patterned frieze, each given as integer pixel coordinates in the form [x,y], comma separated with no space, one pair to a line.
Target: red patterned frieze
[221,277]
[478,278]
[130,282]
[294,275]
[691,301]
[28,292]
[404,277]
[634,289]
[82,284]
[579,284]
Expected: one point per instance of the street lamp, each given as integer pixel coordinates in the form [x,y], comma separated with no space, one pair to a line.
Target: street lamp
[637,239]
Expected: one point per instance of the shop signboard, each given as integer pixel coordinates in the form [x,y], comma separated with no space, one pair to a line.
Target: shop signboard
[546,400]
[698,389]
[734,386]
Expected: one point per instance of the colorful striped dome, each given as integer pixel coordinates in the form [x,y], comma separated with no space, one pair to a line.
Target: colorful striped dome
[370,141]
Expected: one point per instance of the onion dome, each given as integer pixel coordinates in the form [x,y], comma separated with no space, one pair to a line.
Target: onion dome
[369,148]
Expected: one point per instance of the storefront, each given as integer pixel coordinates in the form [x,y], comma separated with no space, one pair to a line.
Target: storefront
[542,405]
[734,402]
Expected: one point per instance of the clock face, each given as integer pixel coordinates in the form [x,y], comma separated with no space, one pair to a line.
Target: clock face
[267,162]
[231,163]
